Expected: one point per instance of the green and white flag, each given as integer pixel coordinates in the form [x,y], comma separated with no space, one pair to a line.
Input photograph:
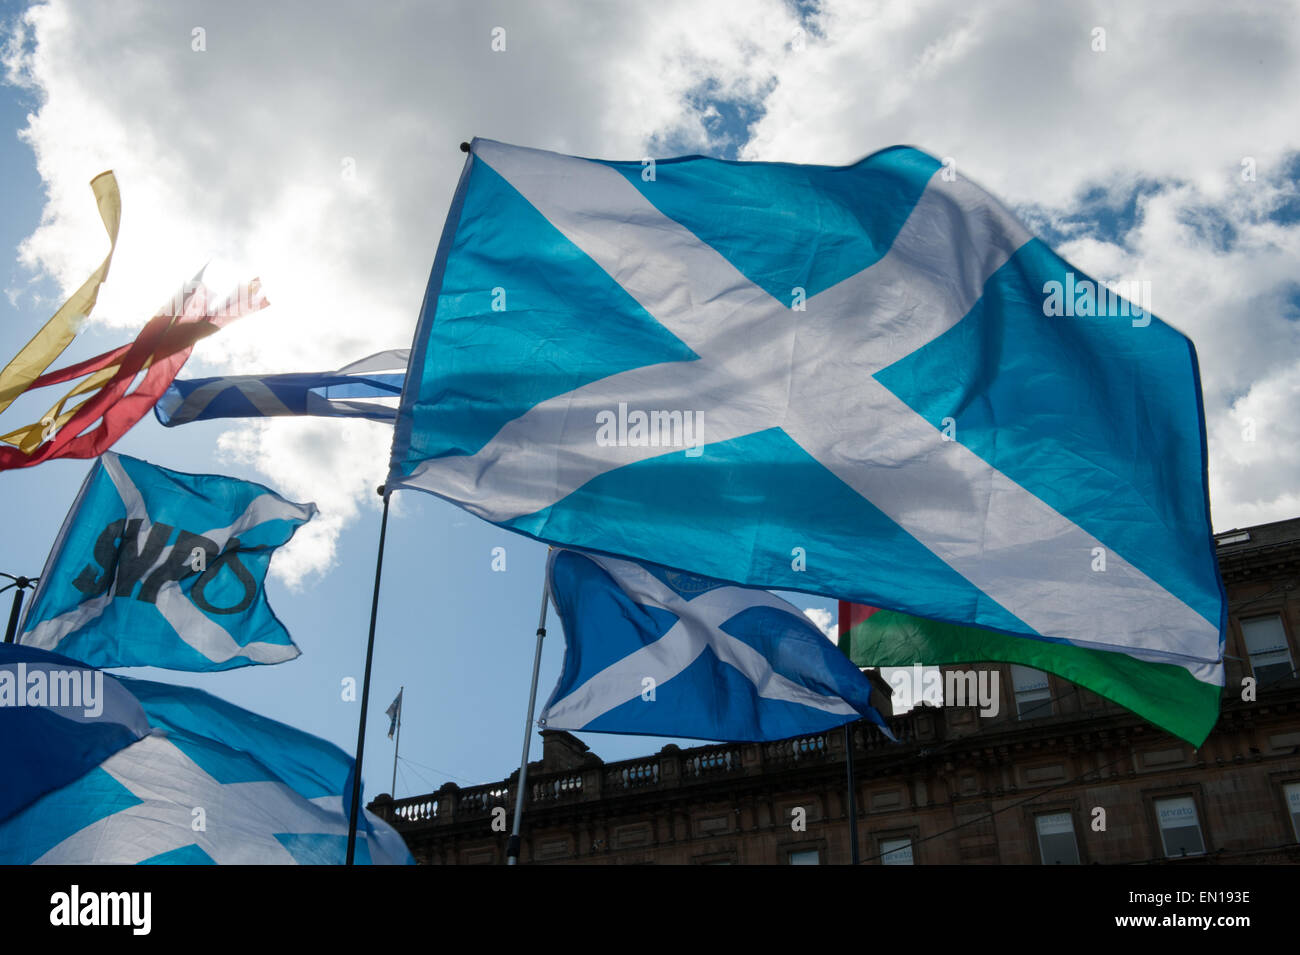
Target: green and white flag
[1182,700]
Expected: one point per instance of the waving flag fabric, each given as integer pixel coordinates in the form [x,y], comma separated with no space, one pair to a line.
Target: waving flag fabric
[394,713]
[49,343]
[159,568]
[59,719]
[368,388]
[207,783]
[159,351]
[861,381]
[651,651]
[1183,700]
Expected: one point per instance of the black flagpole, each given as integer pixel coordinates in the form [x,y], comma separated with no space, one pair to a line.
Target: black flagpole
[21,583]
[853,799]
[365,687]
[512,847]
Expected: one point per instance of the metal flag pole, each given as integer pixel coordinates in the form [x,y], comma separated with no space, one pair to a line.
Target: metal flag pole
[853,798]
[21,583]
[512,847]
[365,687]
[392,790]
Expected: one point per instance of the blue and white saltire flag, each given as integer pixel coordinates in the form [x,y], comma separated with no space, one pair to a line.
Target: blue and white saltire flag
[394,712]
[655,652]
[59,719]
[868,382]
[197,781]
[368,388]
[159,568]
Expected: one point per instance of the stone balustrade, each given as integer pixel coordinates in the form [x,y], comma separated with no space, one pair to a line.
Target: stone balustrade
[670,768]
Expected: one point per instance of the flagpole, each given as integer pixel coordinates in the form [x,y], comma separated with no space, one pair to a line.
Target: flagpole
[853,798]
[21,583]
[392,790]
[365,687]
[512,847]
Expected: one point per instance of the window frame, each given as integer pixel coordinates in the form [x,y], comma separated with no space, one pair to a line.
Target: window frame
[1287,643]
[1153,801]
[1292,818]
[893,835]
[1037,703]
[1067,811]
[785,849]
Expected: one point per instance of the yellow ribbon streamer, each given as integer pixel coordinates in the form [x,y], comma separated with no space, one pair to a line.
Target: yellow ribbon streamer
[48,344]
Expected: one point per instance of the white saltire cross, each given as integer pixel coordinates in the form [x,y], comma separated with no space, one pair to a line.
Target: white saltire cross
[261,397]
[698,626]
[763,366]
[241,819]
[252,387]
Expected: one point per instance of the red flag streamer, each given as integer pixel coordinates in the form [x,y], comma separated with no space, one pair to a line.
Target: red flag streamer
[160,350]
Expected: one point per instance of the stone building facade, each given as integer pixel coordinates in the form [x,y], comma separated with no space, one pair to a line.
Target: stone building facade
[1057,776]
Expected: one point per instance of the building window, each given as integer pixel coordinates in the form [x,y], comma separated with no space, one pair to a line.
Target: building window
[1033,696]
[1292,791]
[1270,658]
[895,851]
[805,857]
[1056,843]
[1180,829]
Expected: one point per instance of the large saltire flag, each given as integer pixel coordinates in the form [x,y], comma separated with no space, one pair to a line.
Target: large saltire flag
[652,651]
[368,388]
[1181,699]
[868,382]
[159,568]
[167,775]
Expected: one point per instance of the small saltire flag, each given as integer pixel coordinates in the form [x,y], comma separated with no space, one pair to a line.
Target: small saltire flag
[1183,700]
[87,428]
[651,651]
[159,568]
[868,382]
[394,713]
[205,782]
[368,388]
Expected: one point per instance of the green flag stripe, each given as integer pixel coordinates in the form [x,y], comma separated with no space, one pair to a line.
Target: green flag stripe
[1161,693]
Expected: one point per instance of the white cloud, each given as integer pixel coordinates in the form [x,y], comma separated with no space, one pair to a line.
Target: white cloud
[824,621]
[241,151]
[317,149]
[1258,450]
[322,461]
[1016,95]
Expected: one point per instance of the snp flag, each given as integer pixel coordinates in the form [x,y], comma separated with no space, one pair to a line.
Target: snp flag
[159,568]
[867,382]
[655,652]
[368,388]
[200,782]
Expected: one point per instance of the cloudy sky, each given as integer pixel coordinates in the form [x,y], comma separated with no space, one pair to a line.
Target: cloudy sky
[315,145]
